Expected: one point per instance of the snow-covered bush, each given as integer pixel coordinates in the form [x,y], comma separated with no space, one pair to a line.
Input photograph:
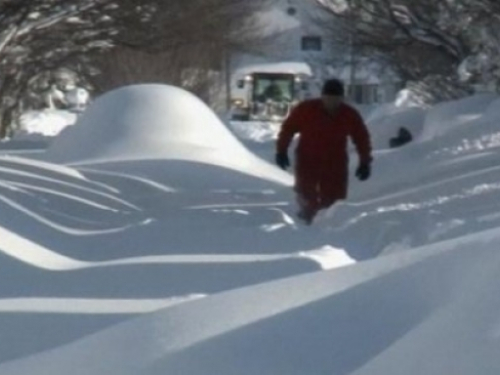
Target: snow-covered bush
[482,66]
[436,88]
[56,89]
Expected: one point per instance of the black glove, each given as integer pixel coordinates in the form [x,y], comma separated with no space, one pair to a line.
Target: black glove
[282,160]
[364,171]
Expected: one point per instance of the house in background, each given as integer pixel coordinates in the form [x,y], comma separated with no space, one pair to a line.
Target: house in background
[293,34]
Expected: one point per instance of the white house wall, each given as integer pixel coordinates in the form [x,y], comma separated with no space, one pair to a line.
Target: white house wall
[285,33]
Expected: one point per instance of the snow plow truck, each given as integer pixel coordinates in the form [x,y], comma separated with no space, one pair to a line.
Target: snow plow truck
[267,92]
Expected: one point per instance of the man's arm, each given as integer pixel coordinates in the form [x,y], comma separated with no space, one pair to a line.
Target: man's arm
[289,128]
[361,138]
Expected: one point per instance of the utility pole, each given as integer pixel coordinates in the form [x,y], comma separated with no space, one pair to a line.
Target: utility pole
[352,55]
[227,77]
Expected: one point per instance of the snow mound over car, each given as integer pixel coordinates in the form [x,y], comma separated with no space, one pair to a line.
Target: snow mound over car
[155,121]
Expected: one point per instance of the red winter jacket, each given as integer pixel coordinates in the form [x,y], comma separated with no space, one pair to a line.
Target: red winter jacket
[321,154]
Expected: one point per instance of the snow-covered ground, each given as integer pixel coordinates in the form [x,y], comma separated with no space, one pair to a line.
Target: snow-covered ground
[151,238]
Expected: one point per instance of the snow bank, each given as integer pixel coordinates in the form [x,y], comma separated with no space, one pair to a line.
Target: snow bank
[406,98]
[448,115]
[48,122]
[256,131]
[493,109]
[354,320]
[428,124]
[385,121]
[155,121]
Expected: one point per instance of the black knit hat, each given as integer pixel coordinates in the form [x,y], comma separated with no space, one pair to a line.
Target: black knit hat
[333,87]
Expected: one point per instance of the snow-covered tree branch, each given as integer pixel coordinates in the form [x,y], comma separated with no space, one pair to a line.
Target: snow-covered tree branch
[183,43]
[423,40]
[43,35]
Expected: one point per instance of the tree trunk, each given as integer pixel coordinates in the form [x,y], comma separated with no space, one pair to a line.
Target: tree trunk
[6,116]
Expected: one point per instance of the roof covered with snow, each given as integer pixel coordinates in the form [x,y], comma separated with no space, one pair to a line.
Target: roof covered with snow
[293,67]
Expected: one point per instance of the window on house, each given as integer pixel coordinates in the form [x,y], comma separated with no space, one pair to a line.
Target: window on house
[311,43]
[364,93]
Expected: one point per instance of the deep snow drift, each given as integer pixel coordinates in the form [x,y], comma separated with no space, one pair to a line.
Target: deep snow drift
[146,261]
[154,122]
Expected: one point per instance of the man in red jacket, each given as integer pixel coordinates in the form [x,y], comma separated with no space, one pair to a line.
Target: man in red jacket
[324,126]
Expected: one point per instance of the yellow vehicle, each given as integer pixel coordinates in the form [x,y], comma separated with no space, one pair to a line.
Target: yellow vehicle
[267,95]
